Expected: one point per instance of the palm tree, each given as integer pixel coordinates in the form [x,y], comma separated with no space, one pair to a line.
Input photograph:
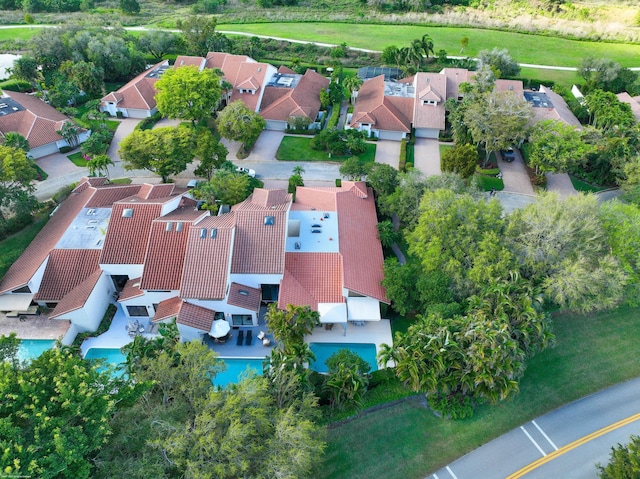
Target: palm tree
[16,140]
[298,170]
[353,84]
[427,45]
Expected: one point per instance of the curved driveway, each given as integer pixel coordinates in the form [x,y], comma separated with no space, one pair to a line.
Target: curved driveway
[566,443]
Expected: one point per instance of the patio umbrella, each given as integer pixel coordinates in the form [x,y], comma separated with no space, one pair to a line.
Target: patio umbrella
[220,328]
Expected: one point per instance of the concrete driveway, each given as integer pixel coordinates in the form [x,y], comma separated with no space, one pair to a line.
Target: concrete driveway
[560,183]
[427,156]
[388,152]
[124,129]
[265,148]
[514,174]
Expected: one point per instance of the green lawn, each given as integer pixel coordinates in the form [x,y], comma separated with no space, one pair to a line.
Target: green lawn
[12,247]
[559,77]
[525,48]
[487,182]
[296,148]
[580,185]
[76,159]
[406,441]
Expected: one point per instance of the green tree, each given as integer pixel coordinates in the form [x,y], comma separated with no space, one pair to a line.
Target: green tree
[383,179]
[607,112]
[498,120]
[129,7]
[354,169]
[561,246]
[290,325]
[200,36]
[99,165]
[210,152]
[347,380]
[624,462]
[352,84]
[461,159]
[225,187]
[26,68]
[85,76]
[158,43]
[500,62]
[16,182]
[387,233]
[188,94]
[15,140]
[608,75]
[164,151]
[57,418]
[238,123]
[556,147]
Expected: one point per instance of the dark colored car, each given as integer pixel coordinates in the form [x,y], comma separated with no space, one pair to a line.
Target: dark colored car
[508,155]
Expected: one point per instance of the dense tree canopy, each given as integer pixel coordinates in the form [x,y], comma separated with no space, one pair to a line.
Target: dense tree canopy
[556,147]
[624,462]
[461,159]
[16,176]
[186,93]
[500,62]
[238,123]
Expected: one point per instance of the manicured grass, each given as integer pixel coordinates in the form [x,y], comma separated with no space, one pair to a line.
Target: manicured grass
[406,441]
[525,48]
[295,148]
[42,174]
[76,159]
[121,181]
[580,185]
[444,148]
[560,77]
[12,247]
[487,182]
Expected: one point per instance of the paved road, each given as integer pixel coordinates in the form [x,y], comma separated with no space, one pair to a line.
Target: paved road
[566,443]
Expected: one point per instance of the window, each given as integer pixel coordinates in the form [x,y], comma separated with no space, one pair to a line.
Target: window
[169,226]
[127,212]
[214,233]
[137,311]
[203,232]
[269,220]
[242,320]
[218,315]
[179,226]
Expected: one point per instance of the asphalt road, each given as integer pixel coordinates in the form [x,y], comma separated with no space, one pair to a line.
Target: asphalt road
[566,443]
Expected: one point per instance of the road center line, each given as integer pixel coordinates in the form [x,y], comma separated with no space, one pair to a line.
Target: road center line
[545,436]
[533,441]
[451,472]
[573,445]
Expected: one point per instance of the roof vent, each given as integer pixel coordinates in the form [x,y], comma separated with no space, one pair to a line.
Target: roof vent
[243,292]
[297,245]
[169,226]
[214,233]
[316,231]
[325,216]
[269,220]
[316,226]
[127,212]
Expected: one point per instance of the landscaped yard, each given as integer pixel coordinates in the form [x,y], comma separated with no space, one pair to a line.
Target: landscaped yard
[407,441]
[585,187]
[12,247]
[77,159]
[297,148]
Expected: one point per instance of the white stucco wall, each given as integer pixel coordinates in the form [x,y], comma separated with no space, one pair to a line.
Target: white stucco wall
[131,270]
[187,333]
[148,299]
[88,318]
[36,279]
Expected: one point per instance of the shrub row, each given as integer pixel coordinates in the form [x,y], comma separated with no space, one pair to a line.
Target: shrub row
[402,163]
[14,224]
[149,122]
[335,116]
[15,85]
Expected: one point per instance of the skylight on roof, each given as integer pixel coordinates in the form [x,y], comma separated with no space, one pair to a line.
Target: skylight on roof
[179,226]
[203,232]
[269,220]
[127,212]
[169,226]
[214,233]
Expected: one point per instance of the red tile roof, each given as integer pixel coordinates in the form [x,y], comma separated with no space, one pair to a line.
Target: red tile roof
[388,114]
[78,296]
[65,270]
[303,100]
[185,60]
[207,260]
[39,122]
[430,87]
[185,313]
[455,76]
[167,309]
[28,263]
[311,278]
[244,297]
[560,110]
[164,261]
[139,93]
[258,247]
[131,290]
[107,195]
[321,199]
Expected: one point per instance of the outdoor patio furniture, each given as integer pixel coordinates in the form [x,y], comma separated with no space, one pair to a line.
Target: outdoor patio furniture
[249,338]
[266,342]
[261,335]
[240,338]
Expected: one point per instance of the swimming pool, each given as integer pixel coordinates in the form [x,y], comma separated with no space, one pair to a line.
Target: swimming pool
[366,351]
[32,348]
[235,367]
[112,356]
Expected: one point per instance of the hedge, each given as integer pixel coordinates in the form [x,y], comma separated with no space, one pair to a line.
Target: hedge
[15,85]
[335,116]
[402,163]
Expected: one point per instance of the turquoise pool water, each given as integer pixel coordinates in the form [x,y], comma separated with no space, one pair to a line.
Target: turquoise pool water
[322,351]
[235,367]
[112,356]
[32,348]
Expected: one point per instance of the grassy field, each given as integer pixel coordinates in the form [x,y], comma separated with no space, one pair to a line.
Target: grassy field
[534,49]
[12,247]
[406,441]
[296,148]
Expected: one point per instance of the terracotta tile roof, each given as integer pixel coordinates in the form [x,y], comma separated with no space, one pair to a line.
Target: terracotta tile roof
[164,261]
[244,297]
[455,76]
[78,296]
[27,264]
[632,102]
[560,110]
[65,270]
[131,290]
[387,113]
[259,247]
[185,60]
[430,87]
[309,197]
[151,192]
[265,198]
[514,86]
[167,309]
[107,195]
[362,258]
[127,237]
[207,260]
[39,122]
[303,100]
[139,93]
[286,69]
[311,278]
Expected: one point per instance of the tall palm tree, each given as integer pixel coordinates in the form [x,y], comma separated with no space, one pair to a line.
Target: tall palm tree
[427,45]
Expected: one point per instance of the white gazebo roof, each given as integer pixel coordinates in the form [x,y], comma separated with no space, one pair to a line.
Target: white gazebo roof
[332,312]
[363,309]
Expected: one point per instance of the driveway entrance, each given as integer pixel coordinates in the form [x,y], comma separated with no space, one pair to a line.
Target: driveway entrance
[427,156]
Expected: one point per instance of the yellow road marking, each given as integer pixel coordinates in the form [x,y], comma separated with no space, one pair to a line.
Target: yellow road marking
[573,445]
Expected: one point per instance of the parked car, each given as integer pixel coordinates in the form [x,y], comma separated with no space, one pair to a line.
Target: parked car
[508,155]
[247,171]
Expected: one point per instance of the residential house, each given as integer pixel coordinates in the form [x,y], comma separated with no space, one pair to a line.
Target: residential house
[136,99]
[633,102]
[548,105]
[38,122]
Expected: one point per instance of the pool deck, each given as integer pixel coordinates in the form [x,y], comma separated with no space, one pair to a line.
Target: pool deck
[34,327]
[116,336]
